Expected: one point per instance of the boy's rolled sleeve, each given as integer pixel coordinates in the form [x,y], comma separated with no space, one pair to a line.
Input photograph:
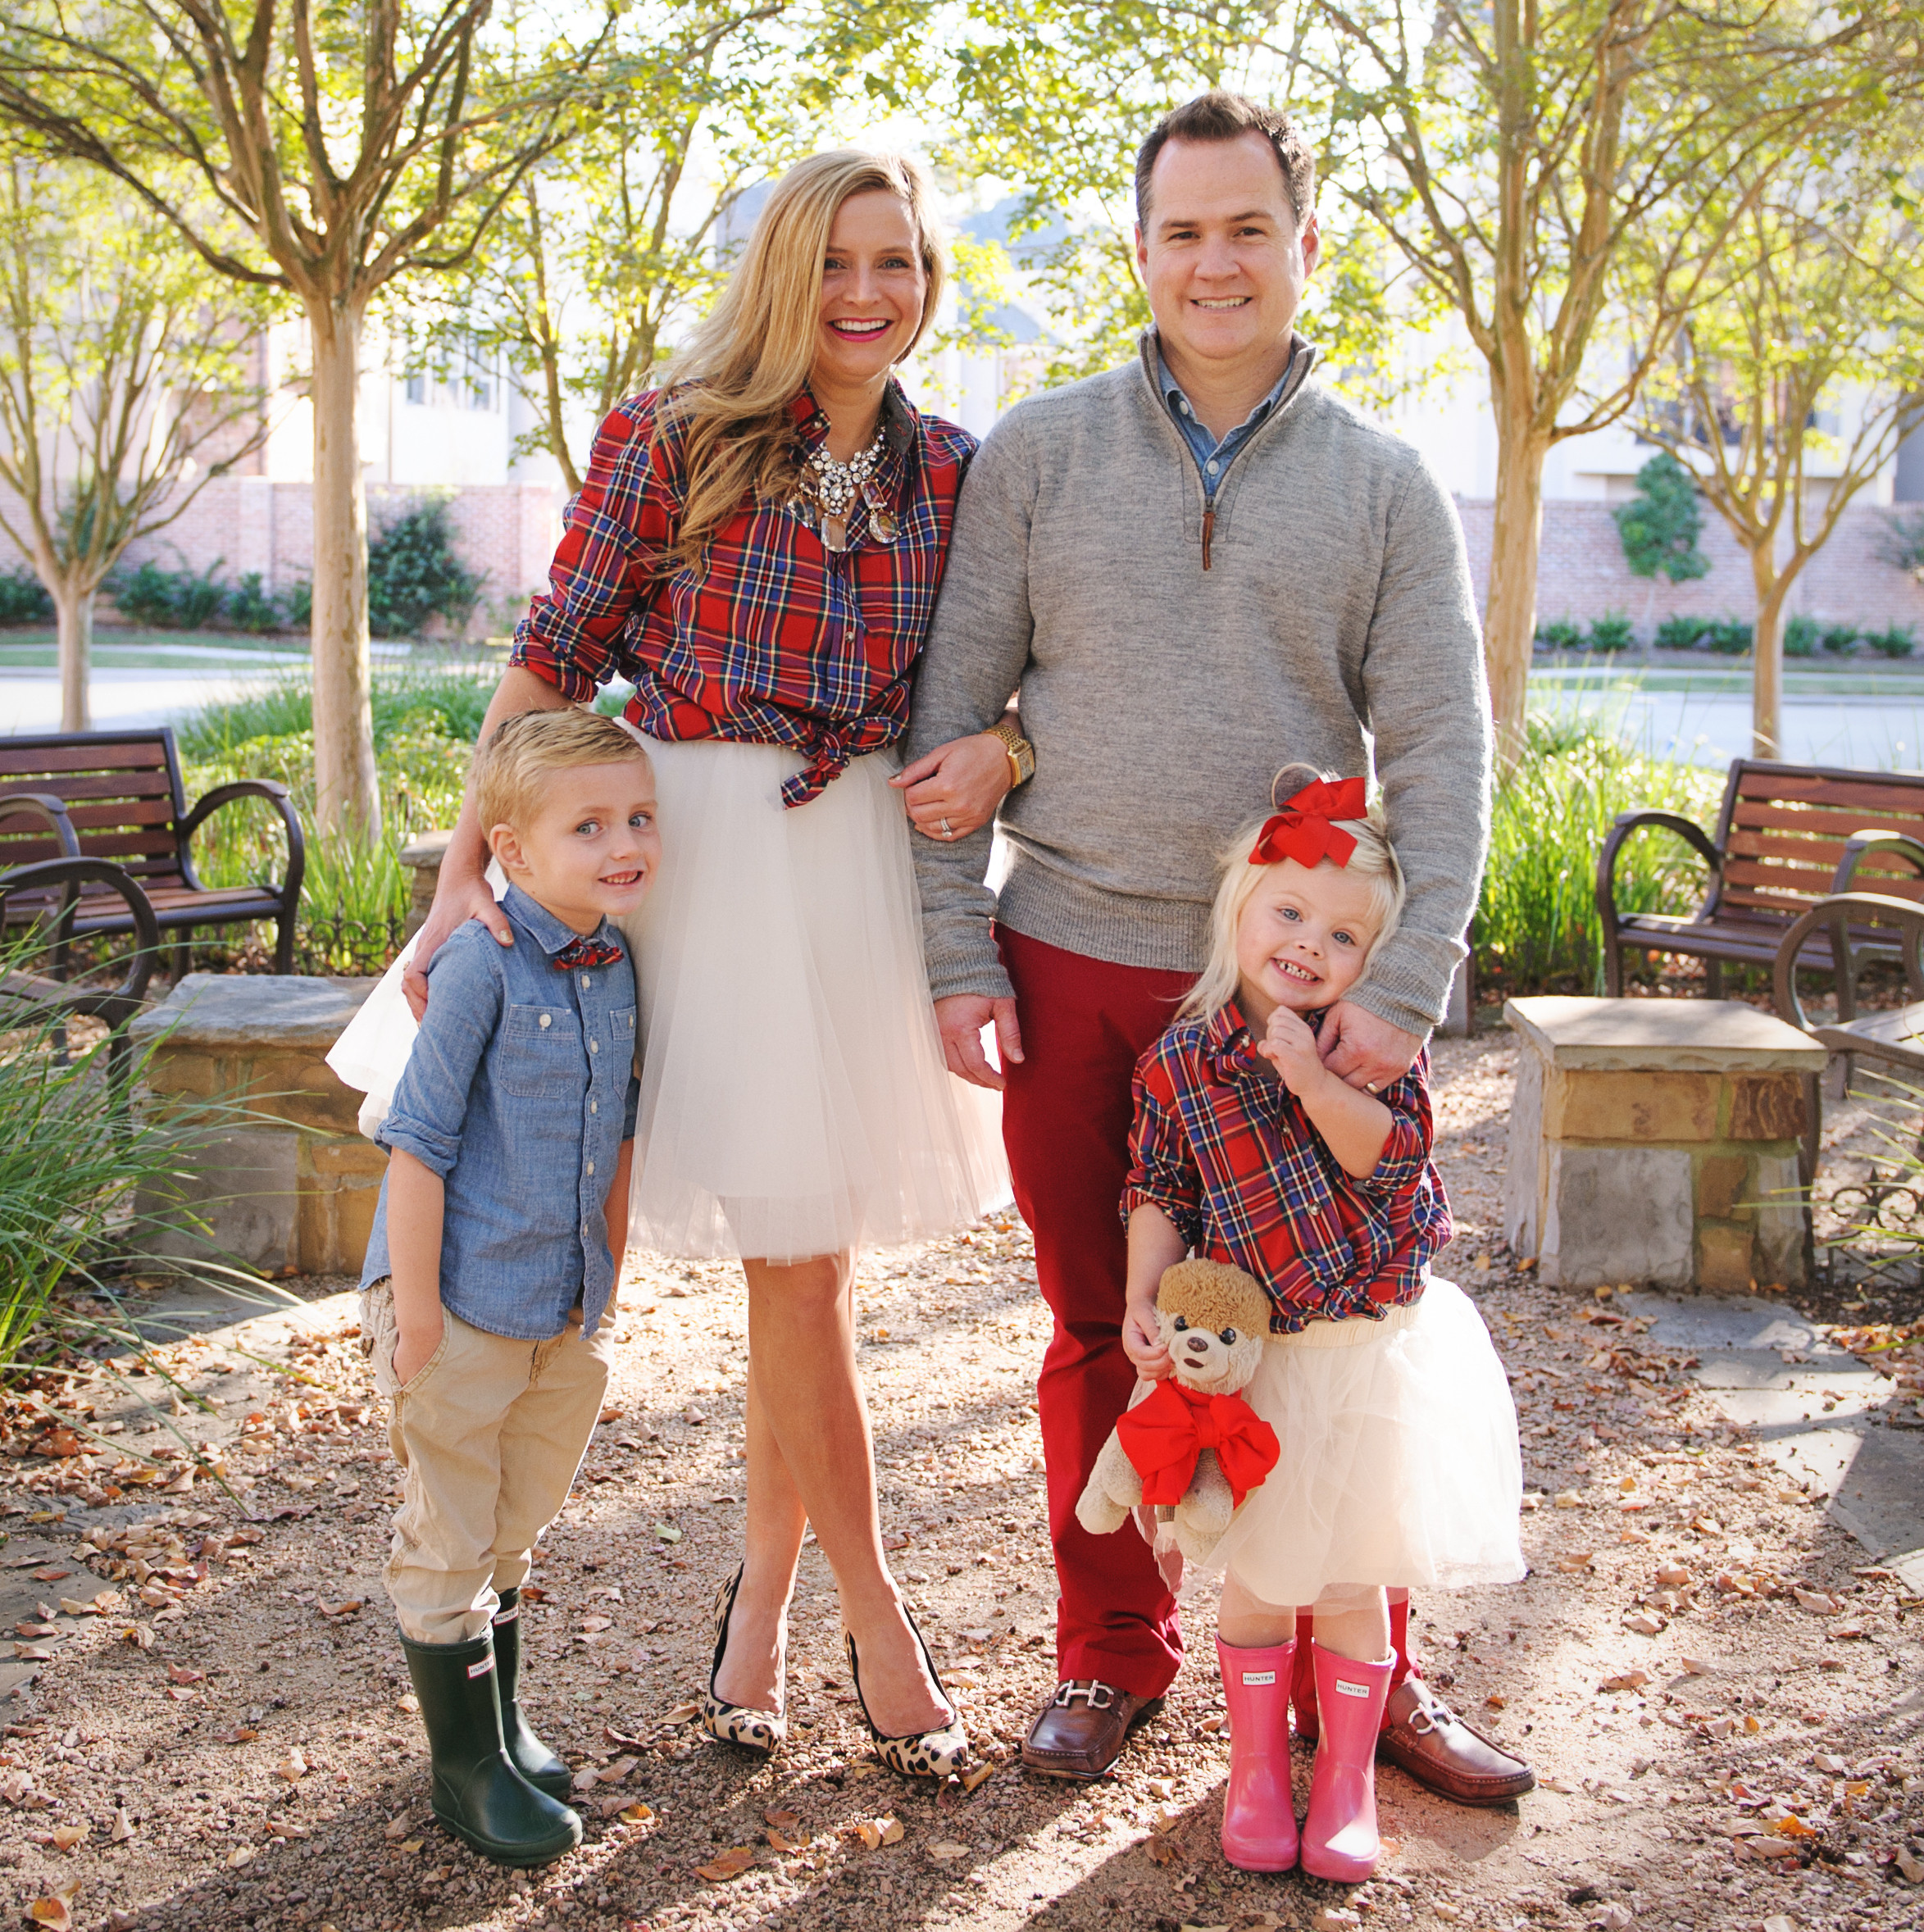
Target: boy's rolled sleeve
[465,994]
[1162,1173]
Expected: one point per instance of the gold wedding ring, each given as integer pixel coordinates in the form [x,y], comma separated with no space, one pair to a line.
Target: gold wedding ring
[1369,1086]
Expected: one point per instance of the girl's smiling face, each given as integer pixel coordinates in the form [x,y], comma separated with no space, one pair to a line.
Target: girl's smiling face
[1303,937]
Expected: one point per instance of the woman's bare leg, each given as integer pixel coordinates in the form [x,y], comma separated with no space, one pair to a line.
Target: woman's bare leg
[807,1410]
[751,1673]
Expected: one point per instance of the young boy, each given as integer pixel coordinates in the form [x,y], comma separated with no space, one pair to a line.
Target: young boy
[496,1246]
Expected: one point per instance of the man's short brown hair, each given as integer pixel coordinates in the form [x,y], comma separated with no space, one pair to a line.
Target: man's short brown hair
[1220,115]
[508,769]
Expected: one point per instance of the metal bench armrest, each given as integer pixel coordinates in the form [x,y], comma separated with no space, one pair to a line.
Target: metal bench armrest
[1835,913]
[51,812]
[1626,823]
[276,795]
[1863,845]
[74,873]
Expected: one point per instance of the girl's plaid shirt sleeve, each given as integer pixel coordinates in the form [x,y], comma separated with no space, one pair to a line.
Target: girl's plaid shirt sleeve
[1228,1153]
[774,638]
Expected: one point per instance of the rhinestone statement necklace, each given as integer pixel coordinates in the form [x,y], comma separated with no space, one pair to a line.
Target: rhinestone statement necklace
[828,490]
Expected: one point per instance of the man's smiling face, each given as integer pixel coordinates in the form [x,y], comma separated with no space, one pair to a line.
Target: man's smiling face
[1223,256]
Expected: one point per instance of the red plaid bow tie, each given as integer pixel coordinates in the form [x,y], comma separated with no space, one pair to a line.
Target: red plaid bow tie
[1304,830]
[1165,1433]
[590,952]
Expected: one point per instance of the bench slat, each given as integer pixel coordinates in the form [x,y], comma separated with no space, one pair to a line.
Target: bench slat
[119,785]
[1901,796]
[1827,821]
[114,755]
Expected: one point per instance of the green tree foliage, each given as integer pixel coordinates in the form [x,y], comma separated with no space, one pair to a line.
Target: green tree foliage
[1659,526]
[125,385]
[1789,389]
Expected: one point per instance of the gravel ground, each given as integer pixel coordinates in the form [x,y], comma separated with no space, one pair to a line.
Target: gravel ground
[1721,1696]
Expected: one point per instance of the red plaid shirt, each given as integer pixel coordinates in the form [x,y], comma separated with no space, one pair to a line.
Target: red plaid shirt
[773,639]
[1225,1150]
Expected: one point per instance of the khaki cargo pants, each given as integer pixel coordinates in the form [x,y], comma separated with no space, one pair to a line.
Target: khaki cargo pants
[488,1433]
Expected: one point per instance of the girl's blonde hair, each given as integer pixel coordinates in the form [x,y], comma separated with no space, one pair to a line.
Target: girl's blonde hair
[750,358]
[1374,859]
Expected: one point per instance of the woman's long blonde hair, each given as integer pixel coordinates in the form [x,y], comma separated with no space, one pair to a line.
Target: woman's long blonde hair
[750,358]
[1374,859]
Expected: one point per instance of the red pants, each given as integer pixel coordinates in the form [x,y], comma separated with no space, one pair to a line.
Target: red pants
[1065,1121]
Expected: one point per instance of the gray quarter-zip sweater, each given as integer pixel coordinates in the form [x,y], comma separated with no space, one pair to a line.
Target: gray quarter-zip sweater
[1172,651]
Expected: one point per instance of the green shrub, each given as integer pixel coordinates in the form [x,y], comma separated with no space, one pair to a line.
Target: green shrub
[413,575]
[1899,640]
[1613,632]
[1659,526]
[1729,637]
[1680,634]
[1800,637]
[24,599]
[1536,928]
[1840,639]
[168,600]
[251,606]
[1559,633]
[300,605]
[71,1163]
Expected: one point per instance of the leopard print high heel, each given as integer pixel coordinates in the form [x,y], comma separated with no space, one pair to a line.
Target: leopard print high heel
[763,1731]
[936,1754]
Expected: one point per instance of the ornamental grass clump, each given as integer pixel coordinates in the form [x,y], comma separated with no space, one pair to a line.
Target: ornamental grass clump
[73,1159]
[1536,929]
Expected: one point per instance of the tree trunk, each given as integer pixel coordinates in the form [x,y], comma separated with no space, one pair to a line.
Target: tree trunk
[344,781]
[1767,652]
[1509,619]
[73,614]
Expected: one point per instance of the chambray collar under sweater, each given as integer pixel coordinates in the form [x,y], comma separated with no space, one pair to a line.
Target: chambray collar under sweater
[1332,617]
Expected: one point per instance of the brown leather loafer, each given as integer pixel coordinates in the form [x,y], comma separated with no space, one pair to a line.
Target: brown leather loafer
[1080,1731]
[1421,1735]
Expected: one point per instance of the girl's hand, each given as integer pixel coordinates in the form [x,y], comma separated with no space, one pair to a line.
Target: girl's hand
[958,784]
[1290,1047]
[1142,1341]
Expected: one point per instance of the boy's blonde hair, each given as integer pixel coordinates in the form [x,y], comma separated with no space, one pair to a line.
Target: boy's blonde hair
[508,768]
[1374,859]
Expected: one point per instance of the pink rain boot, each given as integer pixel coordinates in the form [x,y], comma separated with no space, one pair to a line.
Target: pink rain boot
[1339,1840]
[1258,1812]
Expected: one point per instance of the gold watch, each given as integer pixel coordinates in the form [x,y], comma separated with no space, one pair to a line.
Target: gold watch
[1021,753]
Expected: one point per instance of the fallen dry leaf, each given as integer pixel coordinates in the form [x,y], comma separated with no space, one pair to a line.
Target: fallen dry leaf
[123,1827]
[241,1855]
[636,1814]
[1625,1681]
[180,1673]
[52,1913]
[1161,1851]
[976,1776]
[945,1851]
[65,1837]
[1577,1559]
[1332,1918]
[782,1821]
[292,1767]
[1820,1601]
[727,1865]
[681,1713]
[1695,1667]
[397,1826]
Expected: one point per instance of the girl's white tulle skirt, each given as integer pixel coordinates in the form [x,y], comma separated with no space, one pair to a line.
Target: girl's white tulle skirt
[794,1101]
[1399,1460]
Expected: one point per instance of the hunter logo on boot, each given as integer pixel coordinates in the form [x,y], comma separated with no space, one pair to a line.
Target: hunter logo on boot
[1259,1676]
[1352,1690]
[482,1668]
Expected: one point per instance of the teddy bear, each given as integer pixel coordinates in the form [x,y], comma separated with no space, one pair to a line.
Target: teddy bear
[1189,1444]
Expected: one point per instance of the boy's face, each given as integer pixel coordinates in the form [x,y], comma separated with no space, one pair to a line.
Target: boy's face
[1304,938]
[590,847]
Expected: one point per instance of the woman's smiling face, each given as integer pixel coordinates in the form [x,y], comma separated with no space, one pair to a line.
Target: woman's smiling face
[873,288]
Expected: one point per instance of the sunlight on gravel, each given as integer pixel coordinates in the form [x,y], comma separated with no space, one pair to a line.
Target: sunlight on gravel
[207,1725]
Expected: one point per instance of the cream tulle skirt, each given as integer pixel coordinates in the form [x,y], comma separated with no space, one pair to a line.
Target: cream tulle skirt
[793,1101]
[1400,1463]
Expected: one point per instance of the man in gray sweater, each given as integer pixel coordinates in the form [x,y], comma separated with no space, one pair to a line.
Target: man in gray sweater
[1193,570]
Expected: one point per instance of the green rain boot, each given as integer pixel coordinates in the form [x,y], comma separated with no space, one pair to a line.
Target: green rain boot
[529,1755]
[479,1795]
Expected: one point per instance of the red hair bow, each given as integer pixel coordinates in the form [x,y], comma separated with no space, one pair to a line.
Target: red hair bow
[1305,829]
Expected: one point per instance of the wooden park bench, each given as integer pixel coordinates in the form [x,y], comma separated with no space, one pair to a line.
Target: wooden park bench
[1787,836]
[1893,1036]
[115,796]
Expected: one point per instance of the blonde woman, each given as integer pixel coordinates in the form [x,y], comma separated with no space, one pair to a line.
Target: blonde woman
[758,548]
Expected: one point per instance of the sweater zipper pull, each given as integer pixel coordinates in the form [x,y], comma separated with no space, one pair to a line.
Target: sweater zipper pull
[1208,530]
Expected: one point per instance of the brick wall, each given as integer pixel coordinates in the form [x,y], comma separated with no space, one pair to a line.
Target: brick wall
[1582,575]
[508,531]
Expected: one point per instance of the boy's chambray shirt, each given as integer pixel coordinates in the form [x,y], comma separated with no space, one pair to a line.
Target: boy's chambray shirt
[519,1092]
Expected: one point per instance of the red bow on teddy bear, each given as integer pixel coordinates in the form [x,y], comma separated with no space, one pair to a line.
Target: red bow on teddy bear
[1168,1430]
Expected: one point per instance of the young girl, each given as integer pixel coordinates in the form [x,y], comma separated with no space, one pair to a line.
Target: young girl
[1399,1459]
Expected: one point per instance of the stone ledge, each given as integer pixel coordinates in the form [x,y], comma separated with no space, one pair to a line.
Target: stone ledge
[1717,1036]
